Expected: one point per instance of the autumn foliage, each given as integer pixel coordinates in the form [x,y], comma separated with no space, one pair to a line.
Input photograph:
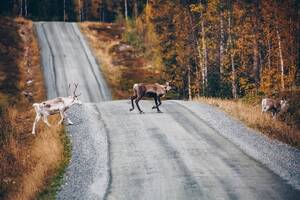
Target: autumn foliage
[225,48]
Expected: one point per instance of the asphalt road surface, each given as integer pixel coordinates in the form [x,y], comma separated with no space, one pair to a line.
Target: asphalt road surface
[67,59]
[190,151]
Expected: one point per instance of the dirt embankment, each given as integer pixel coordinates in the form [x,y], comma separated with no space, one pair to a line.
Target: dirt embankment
[122,64]
[27,161]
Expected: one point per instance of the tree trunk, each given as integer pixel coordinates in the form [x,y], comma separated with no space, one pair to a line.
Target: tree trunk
[21,8]
[256,64]
[232,54]
[233,81]
[85,10]
[297,73]
[281,59]
[79,10]
[64,10]
[196,53]
[257,59]
[221,53]
[189,83]
[135,8]
[269,53]
[260,67]
[102,10]
[126,10]
[201,64]
[25,8]
[204,51]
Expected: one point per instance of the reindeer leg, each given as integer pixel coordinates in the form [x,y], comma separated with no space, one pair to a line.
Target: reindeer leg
[61,117]
[157,105]
[274,113]
[69,121]
[159,101]
[45,118]
[132,104]
[137,104]
[37,118]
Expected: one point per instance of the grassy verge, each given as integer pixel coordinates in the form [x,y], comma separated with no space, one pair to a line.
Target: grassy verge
[123,63]
[54,182]
[27,161]
[250,114]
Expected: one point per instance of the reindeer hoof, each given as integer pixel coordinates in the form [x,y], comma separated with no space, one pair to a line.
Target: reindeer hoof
[142,112]
[159,111]
[131,109]
[153,107]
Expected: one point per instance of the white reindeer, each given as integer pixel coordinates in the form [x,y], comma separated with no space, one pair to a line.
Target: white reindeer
[55,106]
[274,106]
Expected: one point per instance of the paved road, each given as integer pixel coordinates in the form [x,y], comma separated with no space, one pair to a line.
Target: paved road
[176,155]
[67,59]
[191,151]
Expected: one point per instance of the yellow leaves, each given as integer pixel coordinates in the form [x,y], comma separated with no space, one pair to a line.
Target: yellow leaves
[197,8]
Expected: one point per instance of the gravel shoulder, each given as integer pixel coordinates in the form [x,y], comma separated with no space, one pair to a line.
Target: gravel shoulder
[281,158]
[87,176]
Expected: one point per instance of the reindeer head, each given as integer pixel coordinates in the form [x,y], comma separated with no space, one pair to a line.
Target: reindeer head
[167,86]
[284,104]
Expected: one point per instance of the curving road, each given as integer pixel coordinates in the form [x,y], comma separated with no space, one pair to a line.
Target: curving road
[191,151]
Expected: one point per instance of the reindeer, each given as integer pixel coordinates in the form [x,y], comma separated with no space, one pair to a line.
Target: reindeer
[155,91]
[55,106]
[274,106]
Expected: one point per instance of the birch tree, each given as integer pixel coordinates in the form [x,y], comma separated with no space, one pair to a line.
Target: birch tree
[280,58]
[126,10]
[21,8]
[232,53]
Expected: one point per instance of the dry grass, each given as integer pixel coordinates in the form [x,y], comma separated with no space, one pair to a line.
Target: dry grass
[26,160]
[252,116]
[34,158]
[122,67]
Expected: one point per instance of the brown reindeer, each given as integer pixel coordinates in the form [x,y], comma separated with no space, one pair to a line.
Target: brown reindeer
[274,106]
[155,91]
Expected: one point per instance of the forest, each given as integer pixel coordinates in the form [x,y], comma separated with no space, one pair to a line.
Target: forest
[218,48]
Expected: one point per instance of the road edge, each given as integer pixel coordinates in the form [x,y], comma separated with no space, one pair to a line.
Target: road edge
[280,158]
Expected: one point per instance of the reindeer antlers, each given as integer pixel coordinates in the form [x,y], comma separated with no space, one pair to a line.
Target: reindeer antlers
[74,92]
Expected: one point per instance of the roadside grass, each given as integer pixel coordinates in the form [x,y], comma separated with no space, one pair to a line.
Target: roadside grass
[55,181]
[122,63]
[27,161]
[250,114]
